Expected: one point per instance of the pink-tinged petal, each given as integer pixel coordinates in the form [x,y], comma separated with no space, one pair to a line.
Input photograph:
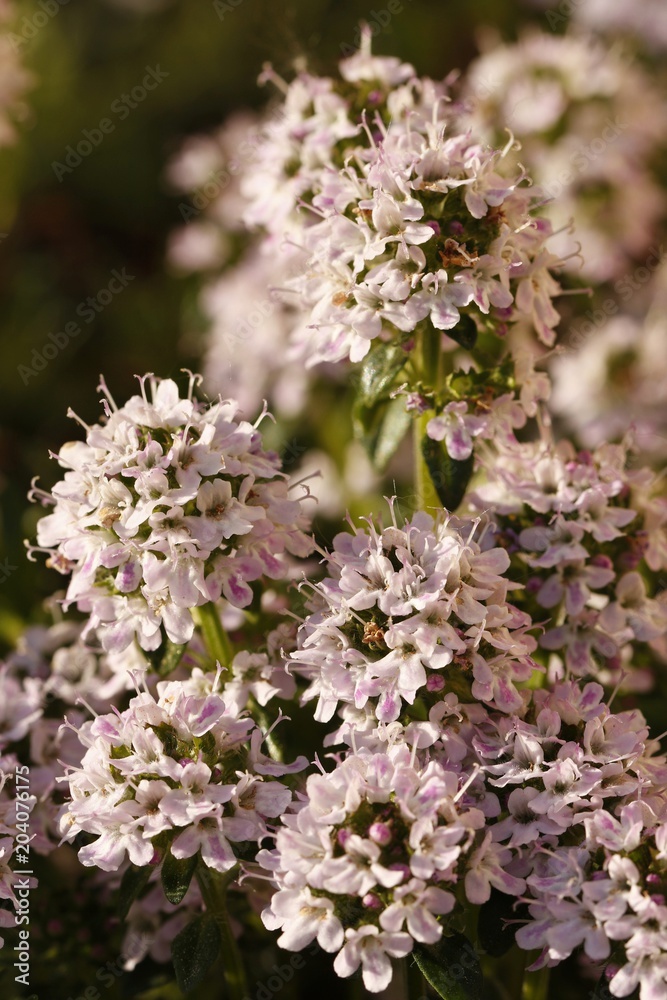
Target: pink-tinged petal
[477,887]
[376,969]
[459,443]
[444,314]
[625,981]
[187,843]
[347,961]
[298,932]
[330,936]
[423,926]
[550,593]
[216,852]
[128,577]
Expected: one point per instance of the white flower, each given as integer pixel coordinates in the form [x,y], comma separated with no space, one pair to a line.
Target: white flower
[168,505]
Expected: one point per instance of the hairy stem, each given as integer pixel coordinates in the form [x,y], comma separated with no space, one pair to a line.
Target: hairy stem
[429,352]
[214,886]
[214,636]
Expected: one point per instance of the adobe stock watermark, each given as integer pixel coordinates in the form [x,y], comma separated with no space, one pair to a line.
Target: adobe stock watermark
[222,7]
[210,189]
[109,973]
[562,13]
[24,803]
[6,570]
[625,288]
[32,24]
[121,107]
[281,975]
[87,310]
[454,973]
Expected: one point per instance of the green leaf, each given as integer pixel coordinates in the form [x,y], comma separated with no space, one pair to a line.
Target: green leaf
[194,951]
[176,876]
[451,967]
[465,332]
[166,657]
[494,934]
[449,476]
[132,883]
[379,370]
[171,657]
[381,428]
[395,424]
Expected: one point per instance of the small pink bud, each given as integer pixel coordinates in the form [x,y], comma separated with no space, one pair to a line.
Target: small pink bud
[380,833]
[343,836]
[435,683]
[371,901]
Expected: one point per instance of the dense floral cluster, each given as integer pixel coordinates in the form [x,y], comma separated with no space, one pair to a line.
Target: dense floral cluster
[370,858]
[169,504]
[470,660]
[407,611]
[375,217]
[424,227]
[542,805]
[178,772]
[587,535]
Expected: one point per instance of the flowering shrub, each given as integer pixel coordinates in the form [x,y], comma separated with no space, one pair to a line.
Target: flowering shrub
[461,674]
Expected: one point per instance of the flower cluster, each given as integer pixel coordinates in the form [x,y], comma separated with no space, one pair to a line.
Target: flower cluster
[589,122]
[177,773]
[585,534]
[423,227]
[370,858]
[602,887]
[408,612]
[548,805]
[167,505]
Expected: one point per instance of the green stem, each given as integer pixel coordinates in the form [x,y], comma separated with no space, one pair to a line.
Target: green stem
[215,638]
[431,353]
[214,886]
[536,984]
[428,355]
